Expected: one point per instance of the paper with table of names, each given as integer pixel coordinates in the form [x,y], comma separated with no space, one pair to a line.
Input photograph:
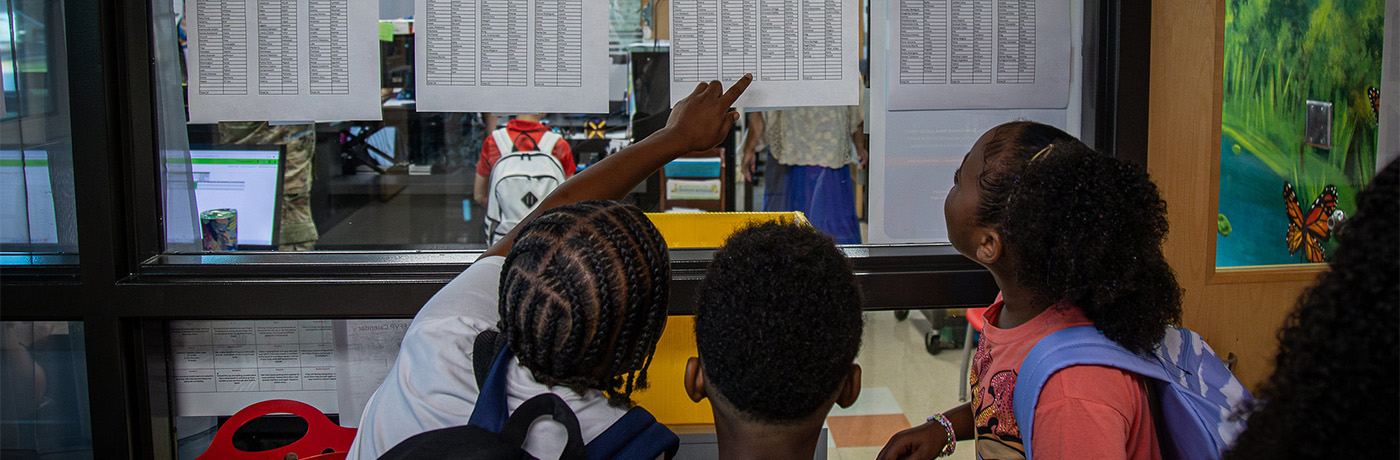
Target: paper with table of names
[282,60]
[511,55]
[979,54]
[800,52]
[219,367]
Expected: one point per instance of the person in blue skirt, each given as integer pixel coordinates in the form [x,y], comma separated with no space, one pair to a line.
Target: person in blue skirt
[810,168]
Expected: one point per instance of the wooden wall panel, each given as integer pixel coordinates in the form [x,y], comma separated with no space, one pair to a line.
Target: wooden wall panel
[1238,312]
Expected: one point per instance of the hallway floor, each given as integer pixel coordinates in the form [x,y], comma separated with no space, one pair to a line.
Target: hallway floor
[901,385]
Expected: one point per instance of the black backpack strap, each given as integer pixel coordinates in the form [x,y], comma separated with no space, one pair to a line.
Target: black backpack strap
[476,442]
[484,350]
[635,436]
[545,405]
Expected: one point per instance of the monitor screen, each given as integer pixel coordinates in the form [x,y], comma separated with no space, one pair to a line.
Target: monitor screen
[26,198]
[248,181]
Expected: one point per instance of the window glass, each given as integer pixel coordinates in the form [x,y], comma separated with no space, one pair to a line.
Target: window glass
[44,402]
[416,180]
[36,164]
[420,180]
[411,181]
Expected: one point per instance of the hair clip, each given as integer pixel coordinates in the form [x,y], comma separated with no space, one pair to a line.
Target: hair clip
[1041,152]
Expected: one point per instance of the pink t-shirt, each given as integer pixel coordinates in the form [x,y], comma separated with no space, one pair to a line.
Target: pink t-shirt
[1084,411]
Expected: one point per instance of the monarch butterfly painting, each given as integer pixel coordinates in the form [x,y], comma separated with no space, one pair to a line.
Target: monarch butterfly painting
[1308,115]
[1308,231]
[1375,96]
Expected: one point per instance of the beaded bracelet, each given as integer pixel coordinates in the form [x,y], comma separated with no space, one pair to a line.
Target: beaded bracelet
[952,442]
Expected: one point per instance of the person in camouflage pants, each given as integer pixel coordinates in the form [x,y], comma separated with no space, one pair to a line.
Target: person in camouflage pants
[298,230]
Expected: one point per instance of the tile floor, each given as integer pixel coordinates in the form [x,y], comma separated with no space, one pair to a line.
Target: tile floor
[902,384]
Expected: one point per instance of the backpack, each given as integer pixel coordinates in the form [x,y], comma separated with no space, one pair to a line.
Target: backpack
[1196,398]
[491,434]
[520,181]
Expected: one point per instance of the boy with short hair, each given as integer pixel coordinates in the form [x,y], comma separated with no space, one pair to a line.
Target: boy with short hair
[778,325]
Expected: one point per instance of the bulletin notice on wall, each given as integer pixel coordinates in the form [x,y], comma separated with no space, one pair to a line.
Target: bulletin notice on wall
[219,367]
[800,52]
[979,54]
[365,352]
[282,60]
[511,55]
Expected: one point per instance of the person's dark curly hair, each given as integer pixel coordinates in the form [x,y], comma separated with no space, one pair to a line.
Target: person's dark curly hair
[1334,392]
[584,295]
[778,321]
[1082,227]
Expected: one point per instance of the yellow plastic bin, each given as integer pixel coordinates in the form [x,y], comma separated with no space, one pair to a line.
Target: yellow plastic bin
[666,398]
[710,229]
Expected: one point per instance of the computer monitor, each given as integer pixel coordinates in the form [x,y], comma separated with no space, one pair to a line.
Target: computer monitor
[27,214]
[247,178]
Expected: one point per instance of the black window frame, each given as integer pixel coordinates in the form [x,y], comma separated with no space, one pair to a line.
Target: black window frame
[124,289]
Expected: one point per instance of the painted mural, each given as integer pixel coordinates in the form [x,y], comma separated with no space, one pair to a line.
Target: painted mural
[1299,125]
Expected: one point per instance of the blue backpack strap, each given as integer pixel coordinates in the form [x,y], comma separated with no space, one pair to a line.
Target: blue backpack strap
[491,410]
[635,436]
[1072,346]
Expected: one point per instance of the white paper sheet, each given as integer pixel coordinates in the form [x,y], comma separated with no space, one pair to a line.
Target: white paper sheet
[979,54]
[800,52]
[365,350]
[283,60]
[219,367]
[921,151]
[913,154]
[522,56]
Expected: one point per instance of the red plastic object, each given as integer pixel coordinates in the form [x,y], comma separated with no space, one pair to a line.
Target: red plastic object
[331,456]
[321,434]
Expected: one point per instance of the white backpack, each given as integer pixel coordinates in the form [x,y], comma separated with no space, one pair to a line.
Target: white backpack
[519,182]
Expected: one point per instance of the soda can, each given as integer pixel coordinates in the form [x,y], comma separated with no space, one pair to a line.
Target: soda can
[220,229]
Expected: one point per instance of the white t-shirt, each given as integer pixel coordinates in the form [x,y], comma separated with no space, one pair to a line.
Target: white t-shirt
[432,384]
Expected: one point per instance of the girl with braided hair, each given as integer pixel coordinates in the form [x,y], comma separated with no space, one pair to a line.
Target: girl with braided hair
[1073,237]
[578,290]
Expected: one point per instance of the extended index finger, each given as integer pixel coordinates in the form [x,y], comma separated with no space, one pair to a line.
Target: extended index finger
[737,90]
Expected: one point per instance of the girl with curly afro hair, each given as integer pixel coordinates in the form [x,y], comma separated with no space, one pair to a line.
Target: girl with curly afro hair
[1334,392]
[1073,237]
